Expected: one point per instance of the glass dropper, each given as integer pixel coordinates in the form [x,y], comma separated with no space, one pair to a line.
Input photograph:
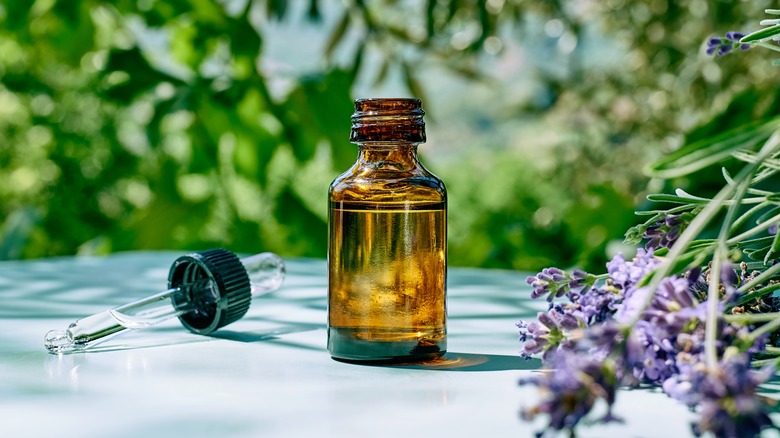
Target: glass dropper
[206,290]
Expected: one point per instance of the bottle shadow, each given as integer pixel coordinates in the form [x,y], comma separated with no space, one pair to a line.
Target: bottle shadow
[471,362]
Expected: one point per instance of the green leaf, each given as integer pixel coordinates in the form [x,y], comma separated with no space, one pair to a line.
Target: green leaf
[711,150]
[774,249]
[313,14]
[305,230]
[750,157]
[382,74]
[757,254]
[357,62]
[276,9]
[221,114]
[16,231]
[759,242]
[141,75]
[17,14]
[761,34]
[412,83]
[161,109]
[75,34]
[662,197]
[337,35]
[774,198]
[319,109]
[430,18]
[161,12]
[245,41]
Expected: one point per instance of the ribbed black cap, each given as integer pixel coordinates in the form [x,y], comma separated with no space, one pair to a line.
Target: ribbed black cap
[225,270]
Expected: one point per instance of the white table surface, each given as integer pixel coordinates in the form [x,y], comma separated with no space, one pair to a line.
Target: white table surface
[269,375]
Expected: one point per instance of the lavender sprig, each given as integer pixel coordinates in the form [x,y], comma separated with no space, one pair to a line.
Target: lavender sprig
[725,44]
[666,347]
[725,396]
[670,327]
[555,283]
[580,378]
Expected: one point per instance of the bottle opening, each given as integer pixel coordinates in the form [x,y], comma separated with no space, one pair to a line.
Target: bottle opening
[388,119]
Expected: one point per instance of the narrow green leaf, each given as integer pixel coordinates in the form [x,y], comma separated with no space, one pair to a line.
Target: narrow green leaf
[761,34]
[773,198]
[383,69]
[337,35]
[430,18]
[313,14]
[772,11]
[276,9]
[708,151]
[412,84]
[768,214]
[727,176]
[750,157]
[661,197]
[773,249]
[357,62]
[760,241]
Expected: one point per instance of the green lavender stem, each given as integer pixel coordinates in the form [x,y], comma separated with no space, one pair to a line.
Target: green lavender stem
[748,318]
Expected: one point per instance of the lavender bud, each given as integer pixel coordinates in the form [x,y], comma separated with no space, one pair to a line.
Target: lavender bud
[728,275]
[734,36]
[569,322]
[547,321]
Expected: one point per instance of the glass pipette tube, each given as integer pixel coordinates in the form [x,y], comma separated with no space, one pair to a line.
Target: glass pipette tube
[197,298]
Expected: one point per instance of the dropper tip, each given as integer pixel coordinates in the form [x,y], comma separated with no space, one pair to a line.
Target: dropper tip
[58,341]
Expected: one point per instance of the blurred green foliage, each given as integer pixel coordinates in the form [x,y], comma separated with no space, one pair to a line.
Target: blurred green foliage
[150,124]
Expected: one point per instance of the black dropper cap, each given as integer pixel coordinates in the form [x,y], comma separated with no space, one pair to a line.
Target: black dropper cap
[231,285]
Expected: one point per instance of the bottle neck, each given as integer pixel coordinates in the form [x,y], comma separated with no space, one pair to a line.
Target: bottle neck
[391,156]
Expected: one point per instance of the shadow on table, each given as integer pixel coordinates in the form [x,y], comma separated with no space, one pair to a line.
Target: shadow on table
[473,362]
[265,335]
[162,337]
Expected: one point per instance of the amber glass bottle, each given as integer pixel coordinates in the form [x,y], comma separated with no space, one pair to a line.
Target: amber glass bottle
[387,249]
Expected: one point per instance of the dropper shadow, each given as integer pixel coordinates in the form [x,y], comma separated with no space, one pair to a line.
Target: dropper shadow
[471,362]
[264,335]
[108,347]
[256,336]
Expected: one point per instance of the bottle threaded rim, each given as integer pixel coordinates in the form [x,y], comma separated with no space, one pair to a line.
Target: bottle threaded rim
[388,119]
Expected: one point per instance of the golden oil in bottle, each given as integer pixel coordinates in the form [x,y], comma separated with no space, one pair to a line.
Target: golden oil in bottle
[387,246]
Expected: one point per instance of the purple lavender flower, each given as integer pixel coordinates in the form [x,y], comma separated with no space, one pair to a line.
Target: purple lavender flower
[581,280]
[588,305]
[577,380]
[555,282]
[547,335]
[670,324]
[664,233]
[590,355]
[552,282]
[595,305]
[726,395]
[626,274]
[651,357]
[725,44]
